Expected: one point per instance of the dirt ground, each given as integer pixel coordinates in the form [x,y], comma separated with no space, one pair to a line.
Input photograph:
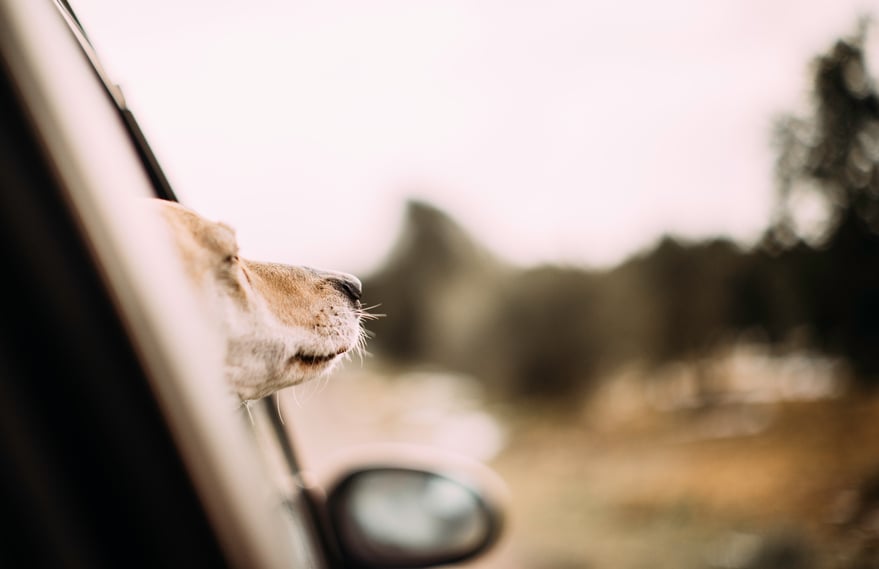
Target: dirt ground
[740,485]
[665,492]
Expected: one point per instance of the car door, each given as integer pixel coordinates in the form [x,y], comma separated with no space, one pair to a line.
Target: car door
[118,446]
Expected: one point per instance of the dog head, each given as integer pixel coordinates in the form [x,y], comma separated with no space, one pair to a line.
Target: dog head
[283,325]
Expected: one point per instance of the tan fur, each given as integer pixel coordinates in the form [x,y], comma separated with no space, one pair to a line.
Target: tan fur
[283,324]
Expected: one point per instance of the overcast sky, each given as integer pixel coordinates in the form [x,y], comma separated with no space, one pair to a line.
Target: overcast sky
[566,131]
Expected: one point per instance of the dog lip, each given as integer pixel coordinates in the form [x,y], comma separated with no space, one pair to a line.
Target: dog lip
[316,359]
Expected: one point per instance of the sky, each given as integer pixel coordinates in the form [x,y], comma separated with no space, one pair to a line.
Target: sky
[561,131]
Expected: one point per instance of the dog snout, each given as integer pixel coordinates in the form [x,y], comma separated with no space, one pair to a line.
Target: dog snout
[349,285]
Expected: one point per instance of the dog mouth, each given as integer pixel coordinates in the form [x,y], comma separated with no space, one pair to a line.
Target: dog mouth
[311,359]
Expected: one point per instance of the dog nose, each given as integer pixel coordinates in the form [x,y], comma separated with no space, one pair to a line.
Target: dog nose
[347,284]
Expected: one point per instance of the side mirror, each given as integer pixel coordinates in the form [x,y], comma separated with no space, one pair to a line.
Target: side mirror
[394,517]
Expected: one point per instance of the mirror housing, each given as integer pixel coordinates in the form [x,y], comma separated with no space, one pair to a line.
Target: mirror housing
[401,516]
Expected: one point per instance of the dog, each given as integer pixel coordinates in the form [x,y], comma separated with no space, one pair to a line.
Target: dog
[283,325]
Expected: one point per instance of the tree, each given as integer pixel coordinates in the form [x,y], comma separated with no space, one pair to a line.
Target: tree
[834,152]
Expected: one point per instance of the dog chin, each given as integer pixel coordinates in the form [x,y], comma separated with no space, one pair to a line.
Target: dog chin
[294,370]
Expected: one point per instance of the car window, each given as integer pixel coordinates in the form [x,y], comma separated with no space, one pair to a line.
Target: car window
[624,255]
[123,428]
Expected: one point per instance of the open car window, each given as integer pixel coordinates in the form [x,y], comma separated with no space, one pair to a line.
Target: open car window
[126,445]
[154,170]
[134,356]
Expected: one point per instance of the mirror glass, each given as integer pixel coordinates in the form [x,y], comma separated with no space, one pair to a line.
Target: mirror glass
[399,517]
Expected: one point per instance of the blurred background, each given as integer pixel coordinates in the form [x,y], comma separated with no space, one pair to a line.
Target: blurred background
[628,254]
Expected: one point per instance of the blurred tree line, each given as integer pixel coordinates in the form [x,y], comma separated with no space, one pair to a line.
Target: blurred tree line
[550,331]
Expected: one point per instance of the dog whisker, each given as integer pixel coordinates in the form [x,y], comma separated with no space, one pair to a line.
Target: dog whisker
[323,383]
[278,409]
[246,405]
[295,393]
[364,313]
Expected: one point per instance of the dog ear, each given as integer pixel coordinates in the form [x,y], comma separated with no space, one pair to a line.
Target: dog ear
[205,245]
[219,239]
